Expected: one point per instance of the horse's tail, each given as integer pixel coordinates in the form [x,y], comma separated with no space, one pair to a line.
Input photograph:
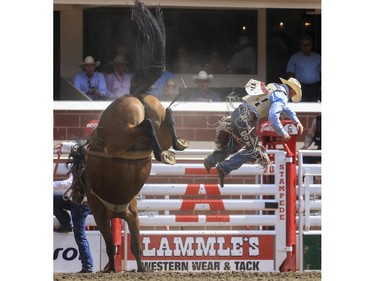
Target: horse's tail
[150,51]
[76,165]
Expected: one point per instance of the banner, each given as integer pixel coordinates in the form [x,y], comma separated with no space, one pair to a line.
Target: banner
[66,255]
[200,252]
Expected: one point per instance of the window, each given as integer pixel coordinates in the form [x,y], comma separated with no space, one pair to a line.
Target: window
[208,38]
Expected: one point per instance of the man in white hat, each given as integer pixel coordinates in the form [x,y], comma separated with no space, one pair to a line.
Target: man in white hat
[89,81]
[203,92]
[118,82]
[241,128]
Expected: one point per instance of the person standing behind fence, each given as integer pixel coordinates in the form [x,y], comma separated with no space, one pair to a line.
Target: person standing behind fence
[91,82]
[118,82]
[76,220]
[305,66]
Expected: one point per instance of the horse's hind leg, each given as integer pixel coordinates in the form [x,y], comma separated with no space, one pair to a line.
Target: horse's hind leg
[147,128]
[177,143]
[132,220]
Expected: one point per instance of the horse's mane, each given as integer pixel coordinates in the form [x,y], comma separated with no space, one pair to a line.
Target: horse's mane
[76,164]
[150,50]
[76,160]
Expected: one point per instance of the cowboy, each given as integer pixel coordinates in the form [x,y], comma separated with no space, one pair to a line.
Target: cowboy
[89,81]
[203,93]
[241,126]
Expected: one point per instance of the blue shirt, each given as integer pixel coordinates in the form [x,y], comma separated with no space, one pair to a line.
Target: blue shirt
[82,82]
[279,105]
[306,69]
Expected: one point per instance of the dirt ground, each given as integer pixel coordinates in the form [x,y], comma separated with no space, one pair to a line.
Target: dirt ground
[184,276]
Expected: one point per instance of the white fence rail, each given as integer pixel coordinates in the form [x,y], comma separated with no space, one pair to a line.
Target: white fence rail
[309,203]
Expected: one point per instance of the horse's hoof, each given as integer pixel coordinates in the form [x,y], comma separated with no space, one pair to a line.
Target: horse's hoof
[168,157]
[181,144]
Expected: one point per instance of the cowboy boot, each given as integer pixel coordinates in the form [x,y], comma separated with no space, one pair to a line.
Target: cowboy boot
[221,174]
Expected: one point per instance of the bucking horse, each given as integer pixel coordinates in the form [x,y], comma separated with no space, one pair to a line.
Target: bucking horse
[112,165]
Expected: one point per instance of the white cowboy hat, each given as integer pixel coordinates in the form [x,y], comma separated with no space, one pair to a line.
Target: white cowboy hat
[89,60]
[119,59]
[202,75]
[296,86]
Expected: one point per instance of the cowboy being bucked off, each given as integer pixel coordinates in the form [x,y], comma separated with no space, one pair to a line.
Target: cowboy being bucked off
[237,133]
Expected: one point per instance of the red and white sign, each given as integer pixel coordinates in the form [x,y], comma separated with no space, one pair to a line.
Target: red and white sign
[200,252]
[267,129]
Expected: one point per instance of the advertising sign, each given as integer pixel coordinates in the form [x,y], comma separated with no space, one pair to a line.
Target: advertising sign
[66,255]
[201,252]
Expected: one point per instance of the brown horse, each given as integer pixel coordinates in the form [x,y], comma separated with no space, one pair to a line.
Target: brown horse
[114,164]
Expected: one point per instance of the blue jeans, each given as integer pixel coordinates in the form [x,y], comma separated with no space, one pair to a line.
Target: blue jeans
[79,214]
[237,160]
[242,118]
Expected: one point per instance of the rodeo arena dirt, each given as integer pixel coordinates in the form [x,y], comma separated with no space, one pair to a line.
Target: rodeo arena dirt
[185,276]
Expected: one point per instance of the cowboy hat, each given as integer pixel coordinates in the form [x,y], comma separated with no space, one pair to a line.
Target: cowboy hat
[89,60]
[119,59]
[202,75]
[296,86]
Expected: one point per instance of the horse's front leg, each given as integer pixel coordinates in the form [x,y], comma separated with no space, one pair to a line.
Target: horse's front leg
[103,223]
[132,220]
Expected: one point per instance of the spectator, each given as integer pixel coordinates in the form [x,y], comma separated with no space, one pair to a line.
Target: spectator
[183,63]
[157,88]
[305,66]
[242,125]
[215,64]
[314,135]
[89,81]
[123,51]
[170,90]
[203,92]
[244,60]
[75,222]
[118,82]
